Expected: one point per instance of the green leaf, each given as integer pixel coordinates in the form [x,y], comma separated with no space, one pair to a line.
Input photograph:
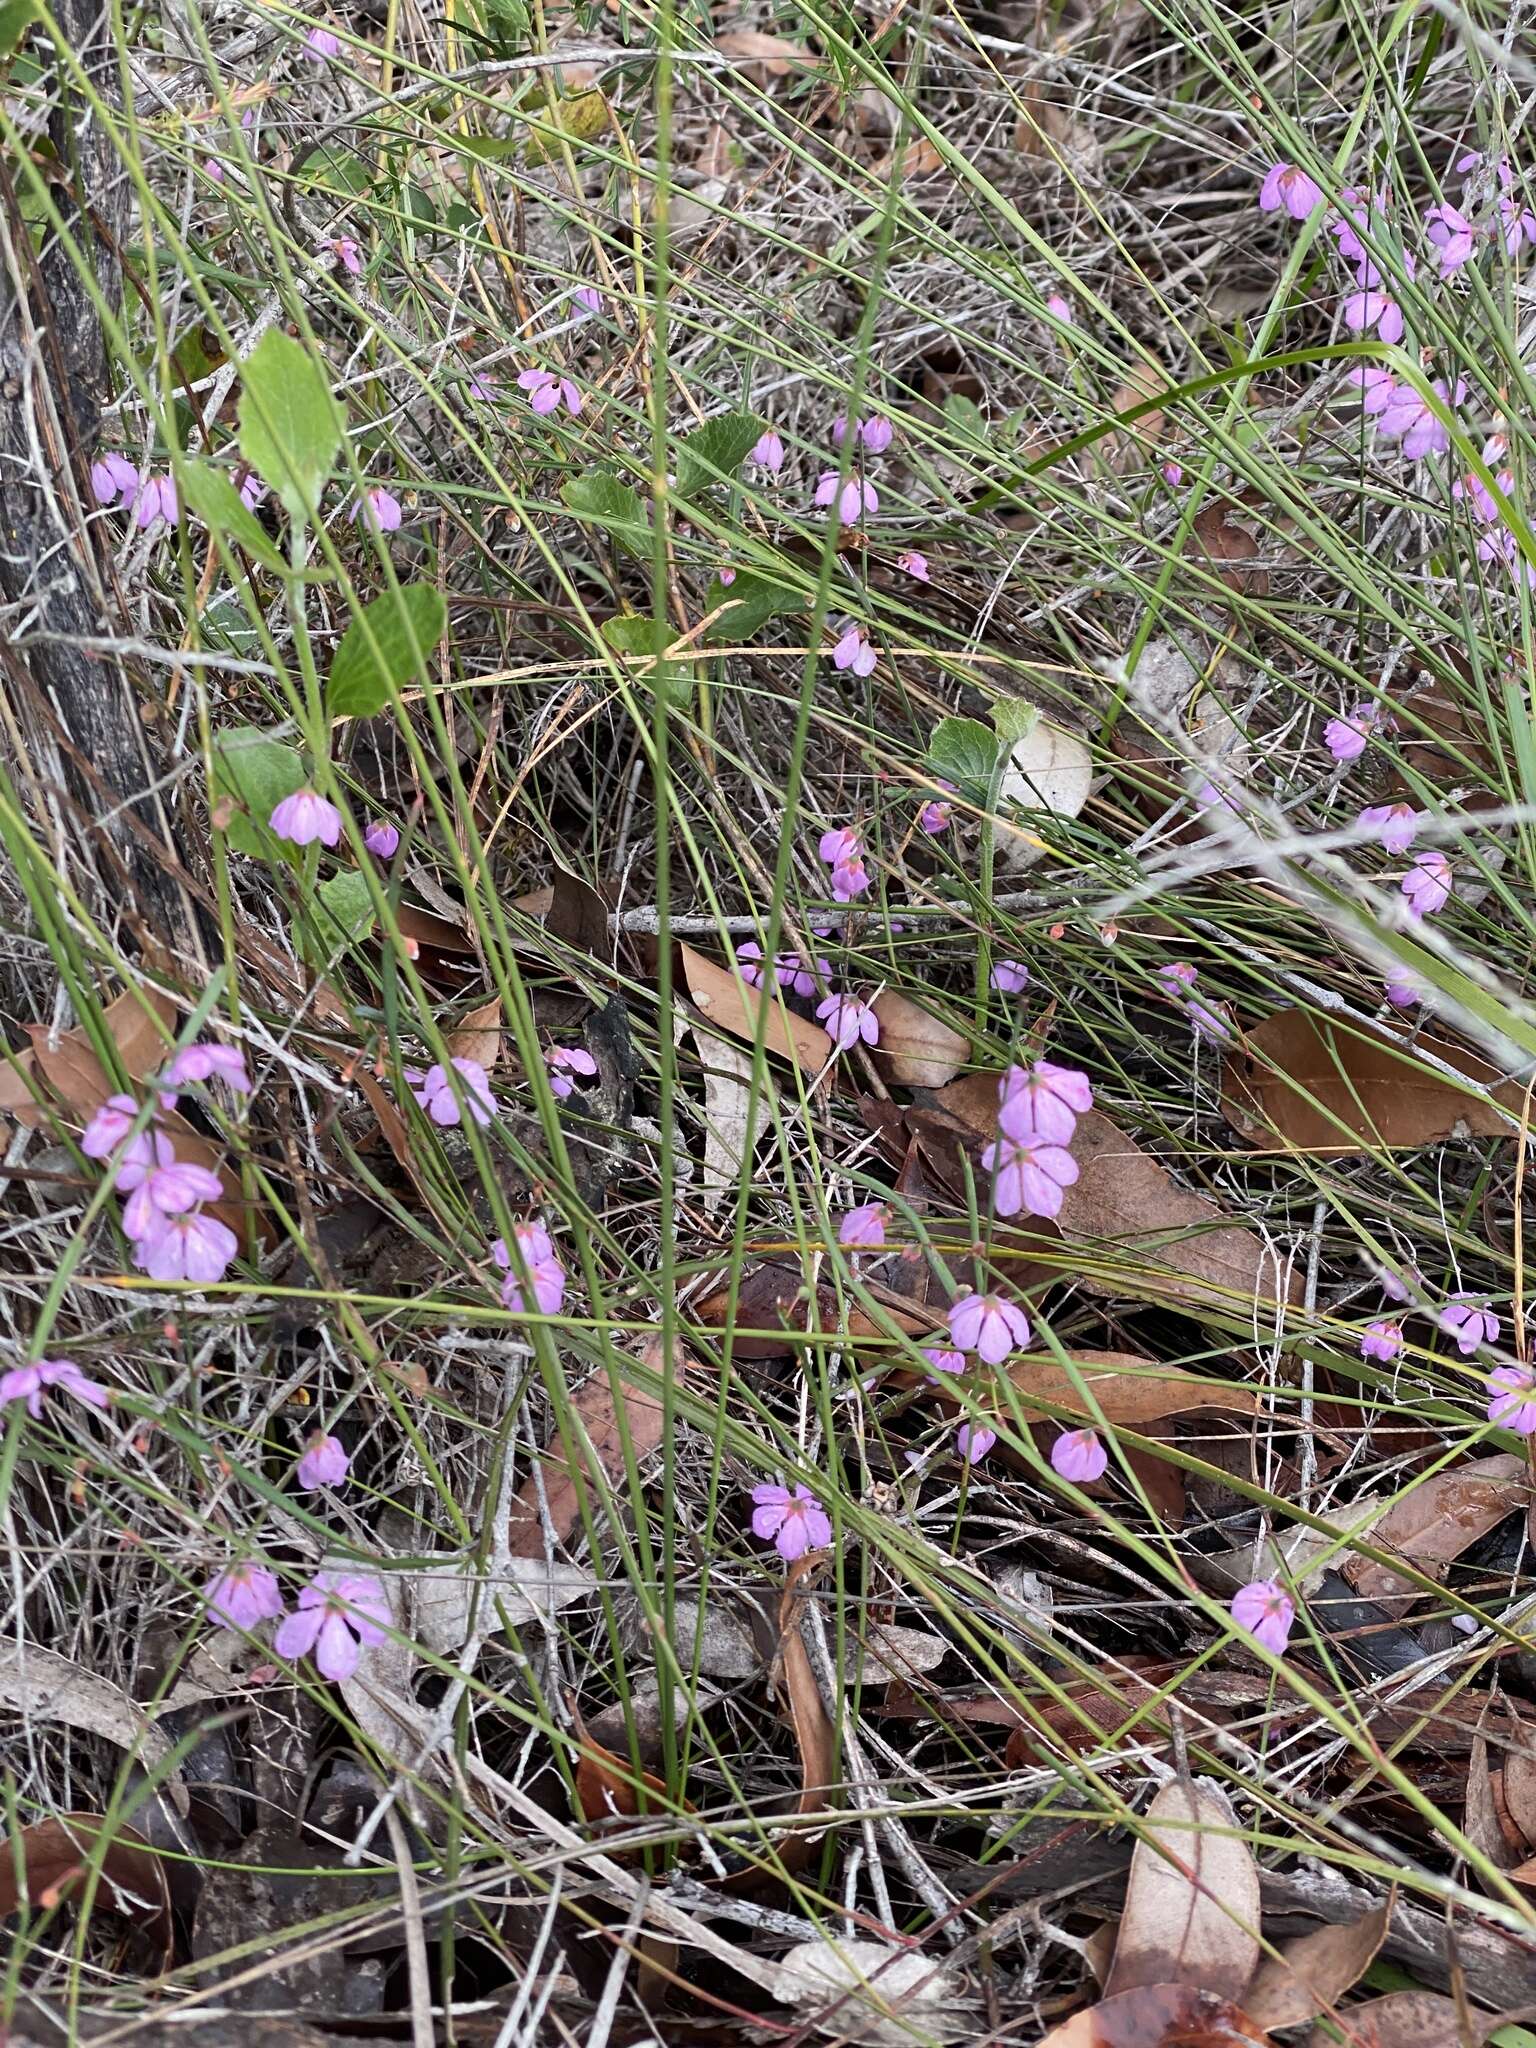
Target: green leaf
[716,451]
[963,751]
[602,499]
[290,425]
[630,633]
[257,772]
[385,647]
[633,634]
[1015,720]
[220,506]
[343,910]
[750,602]
[16,17]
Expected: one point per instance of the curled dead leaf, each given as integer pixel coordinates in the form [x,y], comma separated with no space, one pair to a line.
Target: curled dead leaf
[1227,543]
[1311,1973]
[1129,1390]
[47,1865]
[764,56]
[478,1036]
[609,1788]
[916,1049]
[40,1685]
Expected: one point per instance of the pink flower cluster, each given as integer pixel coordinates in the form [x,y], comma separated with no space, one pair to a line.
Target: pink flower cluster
[150,499]
[1470,1324]
[339,1614]
[1177,980]
[535,1268]
[445,1092]
[1038,1109]
[785,970]
[843,851]
[858,496]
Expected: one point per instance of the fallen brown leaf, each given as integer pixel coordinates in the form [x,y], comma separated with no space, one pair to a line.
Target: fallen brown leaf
[51,1857]
[1408,2019]
[776,1296]
[1129,1389]
[1160,2016]
[608,1787]
[764,56]
[815,1737]
[1314,1971]
[1192,1905]
[1227,545]
[916,1050]
[478,1036]
[595,1413]
[736,1009]
[1433,1523]
[1520,1781]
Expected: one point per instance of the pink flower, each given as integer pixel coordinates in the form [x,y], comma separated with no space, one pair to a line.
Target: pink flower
[1376,385]
[935,817]
[168,1191]
[793,1522]
[1059,308]
[1470,1324]
[382,839]
[849,879]
[207,1061]
[847,1020]
[1173,474]
[944,1360]
[339,1615]
[913,564]
[1366,309]
[1286,186]
[1043,1101]
[797,978]
[1079,1455]
[243,1596]
[1206,1020]
[436,1093]
[1397,1287]
[1009,977]
[1404,993]
[321,45]
[1427,884]
[989,1326]
[1452,236]
[305,817]
[1512,1398]
[973,1441]
[114,480]
[1381,1341]
[109,1126]
[854,651]
[546,1275]
[587,299]
[563,1061]
[198,1248]
[150,1152]
[1518,223]
[768,453]
[379,508]
[749,964]
[1347,738]
[854,498]
[1392,824]
[1266,1611]
[156,500]
[546,389]
[29,1383]
[1028,1174]
[1406,417]
[863,1229]
[725,577]
[840,843]
[876,433]
[324,1463]
[349,254]
[484,385]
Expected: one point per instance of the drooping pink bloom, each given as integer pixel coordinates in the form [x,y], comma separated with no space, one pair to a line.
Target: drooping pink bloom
[1408,419]
[1286,186]
[1347,738]
[323,1463]
[1517,223]
[484,385]
[749,965]
[1375,385]
[1470,1324]
[1452,237]
[1080,1455]
[768,453]
[150,1152]
[30,1383]
[339,1616]
[854,650]
[1354,213]
[1399,1287]
[563,1061]
[942,1359]
[989,1326]
[547,389]
[1512,1398]
[587,299]
[1382,1341]
[305,817]
[1059,308]
[1028,1175]
[725,576]
[1009,977]
[379,509]
[847,1020]
[168,1191]
[243,1596]
[914,565]
[1428,883]
[935,817]
[850,879]
[321,45]
[156,500]
[853,499]
[1367,309]
[436,1093]
[792,1520]
[876,433]
[382,839]
[1173,474]
[1266,1611]
[1393,825]
[348,253]
[206,1061]
[1206,1020]
[546,1275]
[973,1440]
[792,974]
[1404,991]
[863,1229]
[110,1126]
[1043,1101]
[198,1248]
[114,480]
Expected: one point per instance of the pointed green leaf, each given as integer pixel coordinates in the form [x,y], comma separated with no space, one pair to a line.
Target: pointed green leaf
[343,910]
[749,603]
[386,646]
[601,498]
[714,452]
[290,425]
[220,506]
[256,772]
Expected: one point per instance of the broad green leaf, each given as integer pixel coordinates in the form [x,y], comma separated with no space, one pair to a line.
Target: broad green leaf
[257,772]
[385,647]
[750,602]
[16,17]
[964,751]
[343,910]
[220,506]
[581,118]
[290,425]
[1014,719]
[716,450]
[601,498]
[630,633]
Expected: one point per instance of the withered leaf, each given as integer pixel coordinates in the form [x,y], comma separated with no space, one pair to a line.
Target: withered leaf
[1409,2019]
[593,1411]
[52,1857]
[1227,546]
[815,1736]
[1129,1389]
[478,1035]
[736,1009]
[775,1296]
[1434,1522]
[916,1049]
[1160,2016]
[1314,1971]
[609,1789]
[1192,1906]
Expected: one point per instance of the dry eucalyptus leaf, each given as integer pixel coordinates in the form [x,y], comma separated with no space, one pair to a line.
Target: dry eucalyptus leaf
[916,1050]
[1192,1905]
[727,1073]
[1130,1390]
[40,1685]
[593,1419]
[1409,2019]
[1160,2016]
[736,1009]
[889,1654]
[879,1996]
[478,1037]
[1433,1523]
[51,1858]
[1049,769]
[1314,1971]
[763,56]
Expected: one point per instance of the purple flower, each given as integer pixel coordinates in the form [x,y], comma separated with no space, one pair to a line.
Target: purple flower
[1286,186]
[198,1248]
[382,839]
[114,480]
[1381,1341]
[942,1359]
[792,1521]
[321,45]
[1173,474]
[876,434]
[1009,977]
[1079,1455]
[484,385]
[1452,236]
[840,843]
[1404,993]
[379,509]
[563,1061]
[1028,1174]
[914,564]
[936,817]
[1043,1101]
[725,576]
[1206,1020]
[207,1061]
[1470,1324]
[243,1596]
[546,389]
[863,1229]
[252,490]
[1517,221]
[1367,309]
[109,1126]
[587,299]
[768,453]
[1059,308]
[305,817]
[168,1191]
[1407,418]
[546,1275]
[339,1615]
[1266,1611]
[436,1094]
[973,1441]
[989,1326]
[1347,738]
[1512,1398]
[847,1020]
[156,500]
[749,964]
[149,1152]
[1392,824]
[324,1463]
[29,1383]
[349,254]
[1428,883]
[1376,386]
[854,498]
[854,651]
